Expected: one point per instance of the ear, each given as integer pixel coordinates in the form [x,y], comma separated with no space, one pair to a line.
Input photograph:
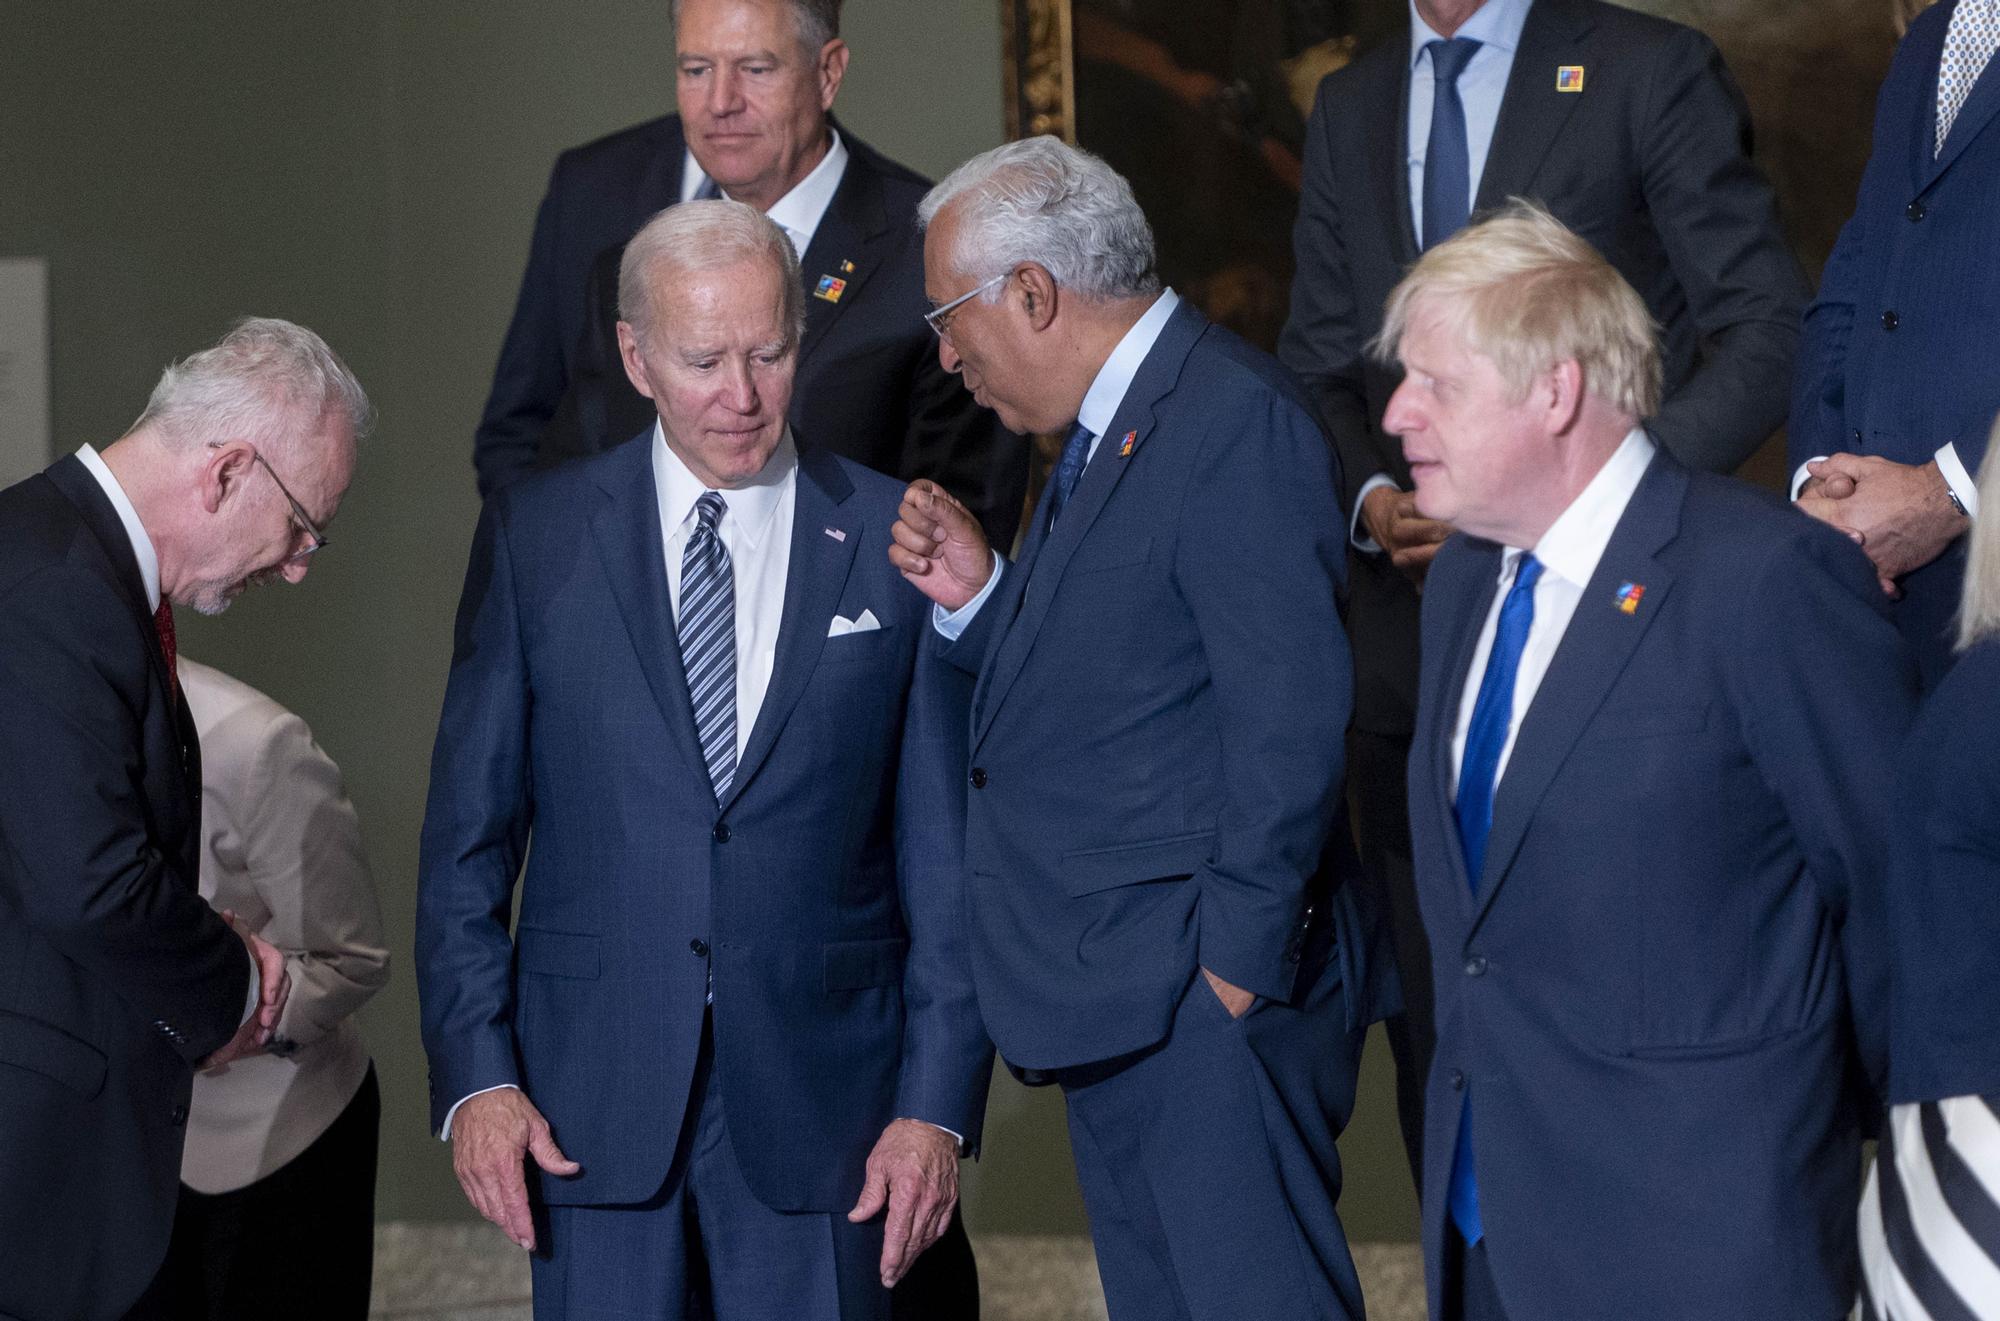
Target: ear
[832,69]
[1038,294]
[635,365]
[224,470]
[1561,389]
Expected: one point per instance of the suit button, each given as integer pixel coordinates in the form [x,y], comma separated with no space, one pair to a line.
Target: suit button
[1476,966]
[979,777]
[179,1116]
[722,833]
[1915,211]
[1457,1081]
[698,947]
[1857,437]
[1890,321]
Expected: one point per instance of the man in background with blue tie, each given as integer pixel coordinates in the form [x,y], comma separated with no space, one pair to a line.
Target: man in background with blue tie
[1650,798]
[1155,752]
[1896,389]
[1633,133]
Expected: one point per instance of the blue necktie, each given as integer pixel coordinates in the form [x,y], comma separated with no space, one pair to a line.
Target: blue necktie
[1447,161]
[1069,468]
[1492,716]
[708,642]
[708,191]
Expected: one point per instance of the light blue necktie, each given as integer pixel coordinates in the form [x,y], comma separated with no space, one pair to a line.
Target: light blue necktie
[1447,160]
[1492,716]
[708,642]
[1069,468]
[1969,43]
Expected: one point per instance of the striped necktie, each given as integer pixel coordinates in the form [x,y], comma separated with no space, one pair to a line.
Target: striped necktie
[1930,1218]
[1969,44]
[708,642]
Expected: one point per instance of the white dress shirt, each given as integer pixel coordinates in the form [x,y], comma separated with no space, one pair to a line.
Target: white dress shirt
[149,573]
[756,529]
[799,211]
[1100,405]
[1569,552]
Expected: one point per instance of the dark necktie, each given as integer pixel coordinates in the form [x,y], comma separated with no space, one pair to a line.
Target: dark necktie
[708,191]
[708,642]
[1447,160]
[1492,716]
[1069,468]
[163,624]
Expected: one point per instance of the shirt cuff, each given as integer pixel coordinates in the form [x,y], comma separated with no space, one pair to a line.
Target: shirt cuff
[1799,478]
[955,1136]
[444,1134]
[256,988]
[1361,541]
[952,624]
[1958,479]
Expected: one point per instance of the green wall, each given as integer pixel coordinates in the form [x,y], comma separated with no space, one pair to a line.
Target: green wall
[371,169]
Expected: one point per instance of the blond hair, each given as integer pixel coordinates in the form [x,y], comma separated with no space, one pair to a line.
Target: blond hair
[1979,605]
[1526,293]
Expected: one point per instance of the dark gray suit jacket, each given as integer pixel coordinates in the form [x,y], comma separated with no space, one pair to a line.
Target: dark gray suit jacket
[1650,163]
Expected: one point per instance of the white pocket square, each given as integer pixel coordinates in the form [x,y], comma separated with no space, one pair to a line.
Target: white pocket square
[841,627]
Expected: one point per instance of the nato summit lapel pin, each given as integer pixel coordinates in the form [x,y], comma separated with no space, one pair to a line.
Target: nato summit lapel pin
[1125,445]
[1629,597]
[830,288]
[1569,78]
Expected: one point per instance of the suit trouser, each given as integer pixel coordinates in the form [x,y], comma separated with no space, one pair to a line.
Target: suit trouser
[299,1242]
[1468,1291]
[705,1246]
[1377,778]
[1208,1164]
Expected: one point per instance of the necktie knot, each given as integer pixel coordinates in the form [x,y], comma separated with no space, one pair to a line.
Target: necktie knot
[1526,576]
[709,509]
[1449,58]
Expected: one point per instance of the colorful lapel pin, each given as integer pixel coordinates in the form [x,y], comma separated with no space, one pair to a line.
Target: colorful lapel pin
[1629,597]
[830,288]
[1125,446]
[1569,78]
[847,268]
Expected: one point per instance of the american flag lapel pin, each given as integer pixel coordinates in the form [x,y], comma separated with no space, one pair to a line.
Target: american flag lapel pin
[836,533]
[1125,445]
[1629,597]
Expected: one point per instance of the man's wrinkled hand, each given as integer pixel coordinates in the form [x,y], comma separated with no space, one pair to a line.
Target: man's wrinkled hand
[1900,513]
[938,545]
[913,1171]
[492,1135]
[1410,540]
[274,988]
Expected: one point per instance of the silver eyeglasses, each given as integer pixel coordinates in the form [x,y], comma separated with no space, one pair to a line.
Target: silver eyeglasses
[939,318]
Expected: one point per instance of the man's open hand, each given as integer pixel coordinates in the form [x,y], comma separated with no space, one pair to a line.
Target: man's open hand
[914,1172]
[492,1135]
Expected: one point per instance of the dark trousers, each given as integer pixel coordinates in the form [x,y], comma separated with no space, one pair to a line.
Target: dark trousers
[1208,1163]
[943,1285]
[1468,1289]
[1377,769]
[705,1246]
[298,1243]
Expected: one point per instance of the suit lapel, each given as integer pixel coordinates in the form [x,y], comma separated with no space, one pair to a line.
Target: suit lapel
[814,579]
[1532,111]
[1973,117]
[852,233]
[1388,148]
[1135,418]
[626,528]
[1595,648]
[108,530]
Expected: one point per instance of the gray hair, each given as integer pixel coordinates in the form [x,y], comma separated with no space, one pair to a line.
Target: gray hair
[818,21]
[1527,293]
[1041,200]
[1979,607]
[704,236]
[257,383]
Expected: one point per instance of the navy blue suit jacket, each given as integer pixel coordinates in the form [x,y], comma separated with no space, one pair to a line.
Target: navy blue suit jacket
[1157,727]
[869,387]
[115,977]
[824,889]
[1897,358]
[1668,1000]
[1946,899]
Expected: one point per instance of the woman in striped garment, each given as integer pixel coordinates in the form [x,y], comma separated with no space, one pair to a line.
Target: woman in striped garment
[1930,1220]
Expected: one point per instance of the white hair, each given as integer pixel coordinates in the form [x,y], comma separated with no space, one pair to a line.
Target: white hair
[704,236]
[1979,607]
[1041,200]
[257,383]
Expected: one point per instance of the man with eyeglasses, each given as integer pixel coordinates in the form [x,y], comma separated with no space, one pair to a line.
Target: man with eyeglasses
[756,82]
[119,981]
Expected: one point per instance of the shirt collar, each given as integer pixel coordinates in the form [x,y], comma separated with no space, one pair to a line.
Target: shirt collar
[751,507]
[142,545]
[799,211]
[1498,24]
[1575,542]
[1114,378]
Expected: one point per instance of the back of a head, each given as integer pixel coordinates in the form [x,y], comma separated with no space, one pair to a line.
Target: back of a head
[1527,293]
[703,236]
[1041,200]
[268,381]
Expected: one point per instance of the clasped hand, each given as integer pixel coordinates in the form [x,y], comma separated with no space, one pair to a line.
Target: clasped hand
[1901,514]
[274,988]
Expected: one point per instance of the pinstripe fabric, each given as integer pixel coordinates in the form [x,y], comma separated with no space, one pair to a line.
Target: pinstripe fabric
[1930,1220]
[708,642]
